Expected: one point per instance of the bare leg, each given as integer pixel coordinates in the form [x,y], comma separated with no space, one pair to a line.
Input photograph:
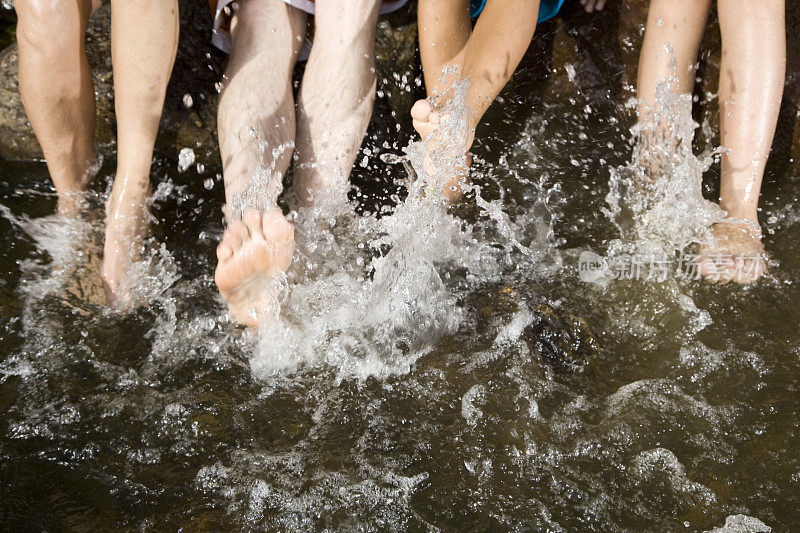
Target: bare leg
[444,30]
[750,90]
[336,97]
[56,88]
[256,105]
[672,40]
[144,39]
[488,57]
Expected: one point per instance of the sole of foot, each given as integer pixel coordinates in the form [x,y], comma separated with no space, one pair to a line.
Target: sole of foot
[254,252]
[737,254]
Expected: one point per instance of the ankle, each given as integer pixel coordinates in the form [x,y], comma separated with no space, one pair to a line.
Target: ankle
[71,204]
[739,211]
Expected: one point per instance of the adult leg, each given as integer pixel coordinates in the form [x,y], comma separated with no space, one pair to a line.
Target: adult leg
[57,90]
[491,55]
[336,97]
[750,89]
[256,133]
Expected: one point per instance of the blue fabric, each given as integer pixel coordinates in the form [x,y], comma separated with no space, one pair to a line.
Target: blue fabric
[547,8]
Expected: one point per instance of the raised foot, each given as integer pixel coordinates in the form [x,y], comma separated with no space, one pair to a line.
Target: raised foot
[253,253]
[737,253]
[445,152]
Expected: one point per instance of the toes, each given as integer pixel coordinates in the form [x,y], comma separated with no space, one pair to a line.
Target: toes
[236,234]
[424,128]
[715,270]
[275,225]
[421,110]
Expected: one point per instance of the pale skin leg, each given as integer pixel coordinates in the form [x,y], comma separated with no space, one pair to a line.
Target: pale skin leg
[57,90]
[257,96]
[144,40]
[334,109]
[487,57]
[336,97]
[750,89]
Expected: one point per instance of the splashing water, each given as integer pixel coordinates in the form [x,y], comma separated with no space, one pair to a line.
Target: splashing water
[656,201]
[426,371]
[374,294]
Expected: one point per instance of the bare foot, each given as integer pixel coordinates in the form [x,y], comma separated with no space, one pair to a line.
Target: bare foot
[427,121]
[737,253]
[126,228]
[252,253]
[593,5]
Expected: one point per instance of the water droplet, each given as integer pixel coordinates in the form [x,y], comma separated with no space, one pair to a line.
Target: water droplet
[185,159]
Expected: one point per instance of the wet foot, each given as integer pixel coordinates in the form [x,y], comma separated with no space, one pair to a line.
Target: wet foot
[253,252]
[126,228]
[75,201]
[736,254]
[442,145]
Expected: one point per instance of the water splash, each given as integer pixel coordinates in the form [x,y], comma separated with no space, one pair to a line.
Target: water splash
[656,200]
[369,295]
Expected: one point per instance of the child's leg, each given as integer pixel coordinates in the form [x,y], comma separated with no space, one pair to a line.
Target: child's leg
[750,89]
[144,39]
[444,30]
[501,37]
[336,96]
[491,54]
[256,105]
[493,51]
[56,88]
[671,41]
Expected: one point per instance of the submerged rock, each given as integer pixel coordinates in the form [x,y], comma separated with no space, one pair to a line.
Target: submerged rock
[563,341]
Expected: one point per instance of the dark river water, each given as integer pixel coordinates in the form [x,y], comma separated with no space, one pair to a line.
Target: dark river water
[432,370]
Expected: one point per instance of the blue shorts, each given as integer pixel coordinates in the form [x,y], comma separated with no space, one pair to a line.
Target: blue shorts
[547,8]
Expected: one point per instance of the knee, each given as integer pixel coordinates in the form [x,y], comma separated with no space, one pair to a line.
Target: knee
[51,27]
[349,21]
